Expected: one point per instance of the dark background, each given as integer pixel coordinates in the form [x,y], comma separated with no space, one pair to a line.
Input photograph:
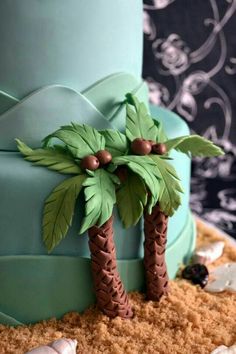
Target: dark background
[190,67]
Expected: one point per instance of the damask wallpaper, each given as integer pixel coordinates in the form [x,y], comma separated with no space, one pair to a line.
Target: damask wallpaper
[190,67]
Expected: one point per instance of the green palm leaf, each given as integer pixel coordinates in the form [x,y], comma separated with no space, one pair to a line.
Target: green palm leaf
[116,142]
[54,158]
[145,168]
[59,210]
[99,191]
[170,189]
[161,133]
[139,124]
[194,145]
[81,140]
[131,199]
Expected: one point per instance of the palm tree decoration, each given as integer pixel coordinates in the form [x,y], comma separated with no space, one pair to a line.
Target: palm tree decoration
[151,186]
[130,169]
[82,155]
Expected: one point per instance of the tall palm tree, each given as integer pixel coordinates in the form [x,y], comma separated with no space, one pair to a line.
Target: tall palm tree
[152,187]
[83,155]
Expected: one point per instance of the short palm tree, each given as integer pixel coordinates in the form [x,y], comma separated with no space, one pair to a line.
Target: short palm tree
[130,169]
[151,186]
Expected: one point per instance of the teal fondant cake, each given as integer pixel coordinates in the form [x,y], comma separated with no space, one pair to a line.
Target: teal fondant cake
[64,61]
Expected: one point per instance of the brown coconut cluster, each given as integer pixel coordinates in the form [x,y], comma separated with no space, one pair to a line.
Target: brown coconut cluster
[144,147]
[93,162]
[139,146]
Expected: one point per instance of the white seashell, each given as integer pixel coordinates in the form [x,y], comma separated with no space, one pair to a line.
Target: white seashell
[219,350]
[225,350]
[209,253]
[65,346]
[223,278]
[59,346]
[44,349]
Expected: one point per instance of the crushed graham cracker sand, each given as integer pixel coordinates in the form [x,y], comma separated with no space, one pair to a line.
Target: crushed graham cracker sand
[188,321]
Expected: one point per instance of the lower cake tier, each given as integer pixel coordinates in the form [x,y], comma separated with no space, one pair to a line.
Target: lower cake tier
[37,286]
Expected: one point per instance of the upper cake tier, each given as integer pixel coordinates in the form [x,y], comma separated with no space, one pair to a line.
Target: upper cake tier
[71,43]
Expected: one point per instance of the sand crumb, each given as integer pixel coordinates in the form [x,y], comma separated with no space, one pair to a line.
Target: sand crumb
[188,321]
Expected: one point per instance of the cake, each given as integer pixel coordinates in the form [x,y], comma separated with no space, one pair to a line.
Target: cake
[61,62]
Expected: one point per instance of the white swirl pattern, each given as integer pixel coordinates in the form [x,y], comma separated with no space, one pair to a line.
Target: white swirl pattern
[196,88]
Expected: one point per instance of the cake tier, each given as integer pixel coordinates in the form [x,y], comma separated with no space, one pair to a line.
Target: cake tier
[35,288]
[71,43]
[27,269]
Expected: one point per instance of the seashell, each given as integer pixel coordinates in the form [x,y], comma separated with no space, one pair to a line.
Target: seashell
[59,346]
[209,253]
[222,278]
[65,346]
[225,350]
[44,349]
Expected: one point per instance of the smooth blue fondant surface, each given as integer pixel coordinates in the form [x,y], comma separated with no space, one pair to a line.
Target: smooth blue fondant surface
[73,43]
[46,109]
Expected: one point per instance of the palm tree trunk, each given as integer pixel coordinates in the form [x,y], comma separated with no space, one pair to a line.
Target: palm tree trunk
[155,230]
[111,296]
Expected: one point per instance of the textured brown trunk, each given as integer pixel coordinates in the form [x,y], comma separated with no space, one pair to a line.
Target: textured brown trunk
[111,296]
[155,230]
